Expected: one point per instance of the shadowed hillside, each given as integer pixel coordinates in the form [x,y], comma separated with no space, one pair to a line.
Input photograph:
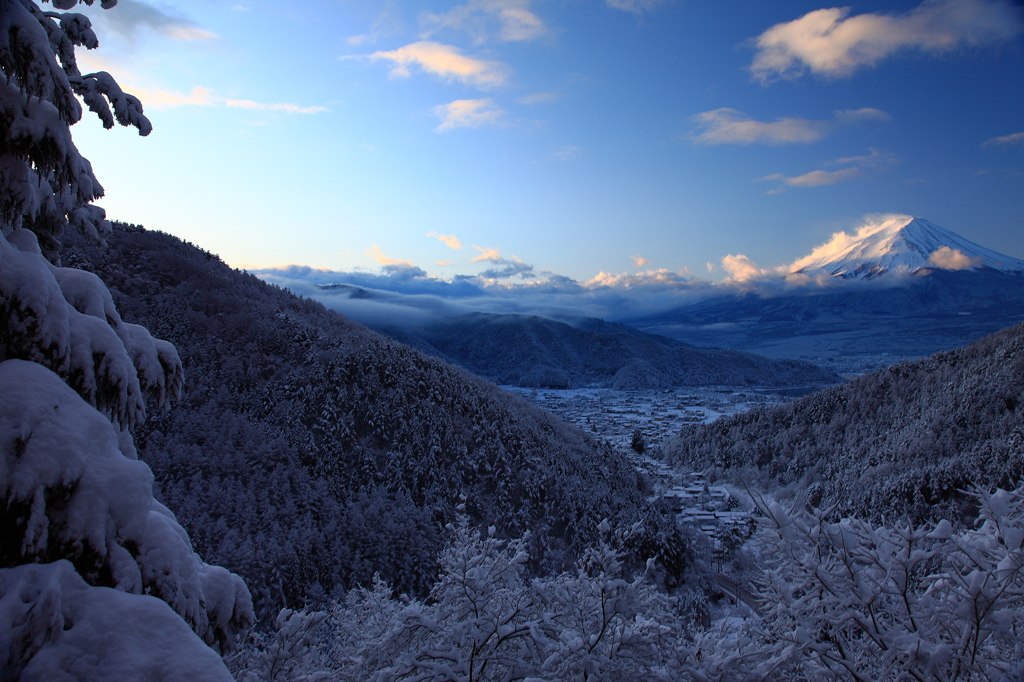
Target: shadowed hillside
[525,350]
[904,440]
[308,453]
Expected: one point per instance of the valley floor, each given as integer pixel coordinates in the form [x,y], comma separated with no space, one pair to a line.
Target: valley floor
[612,415]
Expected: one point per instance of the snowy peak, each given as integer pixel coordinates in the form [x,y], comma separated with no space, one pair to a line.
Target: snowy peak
[902,245]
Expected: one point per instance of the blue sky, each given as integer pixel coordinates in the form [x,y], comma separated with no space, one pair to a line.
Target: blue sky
[539,143]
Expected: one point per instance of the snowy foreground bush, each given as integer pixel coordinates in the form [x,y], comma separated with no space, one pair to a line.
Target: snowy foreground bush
[853,601]
[97,579]
[839,601]
[483,621]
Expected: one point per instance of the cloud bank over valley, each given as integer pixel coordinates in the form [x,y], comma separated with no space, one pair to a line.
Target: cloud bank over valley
[403,294]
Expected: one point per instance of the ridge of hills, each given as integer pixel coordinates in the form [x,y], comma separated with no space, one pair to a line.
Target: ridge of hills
[903,442]
[914,316]
[308,453]
[907,288]
[532,351]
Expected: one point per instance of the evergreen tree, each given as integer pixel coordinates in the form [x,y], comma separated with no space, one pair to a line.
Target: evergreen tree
[97,579]
[637,442]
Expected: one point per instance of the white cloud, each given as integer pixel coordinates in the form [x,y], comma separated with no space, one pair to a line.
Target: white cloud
[450,239]
[504,268]
[405,296]
[951,259]
[487,255]
[446,62]
[199,96]
[402,291]
[636,6]
[872,158]
[641,289]
[133,17]
[639,261]
[468,113]
[375,252]
[511,20]
[858,166]
[862,115]
[841,241]
[1015,138]
[815,178]
[728,126]
[264,106]
[156,98]
[830,42]
[164,99]
[740,268]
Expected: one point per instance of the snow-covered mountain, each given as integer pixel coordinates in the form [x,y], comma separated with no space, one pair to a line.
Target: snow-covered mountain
[906,287]
[902,245]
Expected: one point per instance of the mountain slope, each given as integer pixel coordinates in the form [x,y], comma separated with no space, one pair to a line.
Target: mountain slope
[526,350]
[906,440]
[906,287]
[911,316]
[900,246]
[333,453]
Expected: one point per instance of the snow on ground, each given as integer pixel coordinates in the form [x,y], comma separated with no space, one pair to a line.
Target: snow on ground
[717,511]
[613,415]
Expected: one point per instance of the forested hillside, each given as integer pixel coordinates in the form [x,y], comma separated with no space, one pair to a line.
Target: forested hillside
[526,350]
[308,452]
[904,440]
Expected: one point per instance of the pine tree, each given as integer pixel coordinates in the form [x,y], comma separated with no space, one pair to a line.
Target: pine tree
[637,442]
[97,578]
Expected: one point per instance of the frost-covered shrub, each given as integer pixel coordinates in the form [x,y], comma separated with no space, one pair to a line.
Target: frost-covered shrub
[289,653]
[485,620]
[851,600]
[97,579]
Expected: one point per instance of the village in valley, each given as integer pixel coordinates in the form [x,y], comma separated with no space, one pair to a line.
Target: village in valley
[614,416]
[720,512]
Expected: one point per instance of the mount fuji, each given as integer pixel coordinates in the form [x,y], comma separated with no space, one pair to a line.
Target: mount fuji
[902,246]
[904,288]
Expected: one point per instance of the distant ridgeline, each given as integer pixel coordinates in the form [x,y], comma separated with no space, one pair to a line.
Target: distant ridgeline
[308,452]
[531,351]
[906,440]
[908,288]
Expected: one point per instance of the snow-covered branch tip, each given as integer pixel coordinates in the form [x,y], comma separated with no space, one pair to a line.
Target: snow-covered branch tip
[45,183]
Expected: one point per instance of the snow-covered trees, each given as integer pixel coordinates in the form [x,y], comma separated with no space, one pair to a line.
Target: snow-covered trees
[903,440]
[486,620]
[45,184]
[339,454]
[837,601]
[97,579]
[855,601]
